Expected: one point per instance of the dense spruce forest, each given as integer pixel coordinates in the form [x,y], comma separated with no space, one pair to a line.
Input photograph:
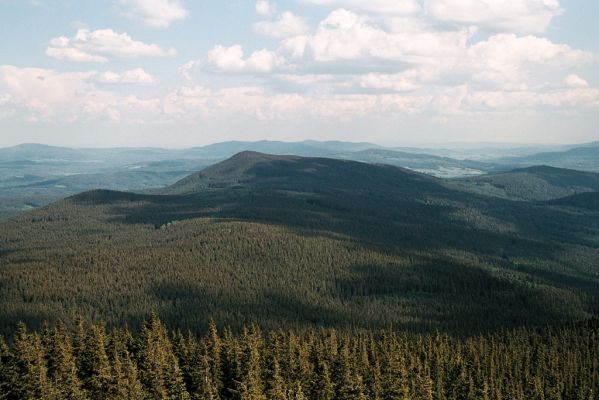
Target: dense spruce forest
[300,243]
[546,363]
[327,279]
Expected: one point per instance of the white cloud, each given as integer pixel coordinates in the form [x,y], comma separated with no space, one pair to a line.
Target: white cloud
[189,69]
[506,15]
[288,24]
[44,94]
[345,35]
[509,58]
[134,76]
[231,59]
[155,13]
[575,81]
[374,6]
[73,54]
[263,7]
[98,45]
[400,82]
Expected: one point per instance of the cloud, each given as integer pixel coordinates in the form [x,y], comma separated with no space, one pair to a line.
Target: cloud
[288,24]
[134,76]
[345,35]
[373,6]
[507,16]
[154,13]
[263,7]
[73,54]
[44,94]
[509,58]
[98,45]
[231,59]
[575,81]
[400,82]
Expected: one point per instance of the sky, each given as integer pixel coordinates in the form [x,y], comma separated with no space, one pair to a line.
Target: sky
[180,73]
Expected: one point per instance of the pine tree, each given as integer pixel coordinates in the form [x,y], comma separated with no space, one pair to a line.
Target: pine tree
[276,385]
[5,360]
[28,370]
[64,369]
[160,371]
[214,350]
[125,384]
[324,386]
[99,381]
[251,387]
[231,366]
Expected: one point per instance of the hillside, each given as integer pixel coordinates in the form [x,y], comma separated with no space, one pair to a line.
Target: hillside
[532,183]
[426,163]
[302,242]
[584,157]
[33,175]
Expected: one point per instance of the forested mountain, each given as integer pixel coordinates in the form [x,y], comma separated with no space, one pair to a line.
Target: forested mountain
[33,175]
[584,157]
[532,183]
[427,163]
[297,242]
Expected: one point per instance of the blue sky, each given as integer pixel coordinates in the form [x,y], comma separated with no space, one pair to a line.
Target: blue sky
[181,73]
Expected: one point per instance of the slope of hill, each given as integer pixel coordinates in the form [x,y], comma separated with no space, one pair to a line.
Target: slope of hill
[300,242]
[585,158]
[426,163]
[33,175]
[532,183]
[589,201]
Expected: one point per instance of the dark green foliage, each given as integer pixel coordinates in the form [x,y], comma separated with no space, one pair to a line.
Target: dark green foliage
[301,243]
[549,363]
[533,183]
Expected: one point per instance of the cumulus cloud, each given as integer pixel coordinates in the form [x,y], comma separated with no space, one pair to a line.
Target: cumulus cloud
[508,15]
[345,35]
[154,13]
[400,82]
[231,59]
[575,81]
[73,54]
[264,8]
[509,58]
[134,76]
[373,6]
[288,24]
[46,94]
[98,45]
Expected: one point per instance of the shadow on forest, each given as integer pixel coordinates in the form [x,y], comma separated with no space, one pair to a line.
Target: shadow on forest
[389,223]
[373,297]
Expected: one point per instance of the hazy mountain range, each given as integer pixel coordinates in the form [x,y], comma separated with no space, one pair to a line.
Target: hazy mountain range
[32,175]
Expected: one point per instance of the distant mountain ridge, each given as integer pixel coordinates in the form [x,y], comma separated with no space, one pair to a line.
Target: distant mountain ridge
[532,183]
[265,170]
[32,175]
[584,157]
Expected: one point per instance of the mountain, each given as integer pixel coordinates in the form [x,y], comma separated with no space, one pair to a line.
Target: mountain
[302,242]
[426,163]
[33,175]
[532,183]
[589,200]
[584,157]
